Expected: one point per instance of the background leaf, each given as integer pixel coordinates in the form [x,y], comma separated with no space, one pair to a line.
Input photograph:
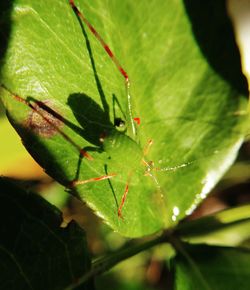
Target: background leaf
[186,86]
[212,268]
[226,228]
[36,253]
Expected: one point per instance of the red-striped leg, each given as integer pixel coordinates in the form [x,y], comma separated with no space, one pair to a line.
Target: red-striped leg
[50,117]
[79,182]
[115,61]
[124,196]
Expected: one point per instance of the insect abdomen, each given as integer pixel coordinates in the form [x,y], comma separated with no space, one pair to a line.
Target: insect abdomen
[118,144]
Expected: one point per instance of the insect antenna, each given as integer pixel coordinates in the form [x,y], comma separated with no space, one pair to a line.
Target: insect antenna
[115,61]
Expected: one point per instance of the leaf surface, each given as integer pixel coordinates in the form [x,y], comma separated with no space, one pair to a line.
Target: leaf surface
[212,268]
[187,92]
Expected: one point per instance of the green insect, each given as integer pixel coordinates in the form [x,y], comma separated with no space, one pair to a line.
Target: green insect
[116,143]
[120,139]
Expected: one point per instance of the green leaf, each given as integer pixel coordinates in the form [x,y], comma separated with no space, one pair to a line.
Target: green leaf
[212,268]
[36,253]
[226,228]
[184,88]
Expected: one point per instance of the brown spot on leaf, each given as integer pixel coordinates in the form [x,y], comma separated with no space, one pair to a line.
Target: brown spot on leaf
[43,119]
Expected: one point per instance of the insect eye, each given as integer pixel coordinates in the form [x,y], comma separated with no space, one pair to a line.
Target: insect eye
[120,124]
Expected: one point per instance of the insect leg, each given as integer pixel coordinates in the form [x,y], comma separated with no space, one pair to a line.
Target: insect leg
[79,182]
[115,61]
[173,168]
[124,196]
[147,147]
[122,202]
[38,107]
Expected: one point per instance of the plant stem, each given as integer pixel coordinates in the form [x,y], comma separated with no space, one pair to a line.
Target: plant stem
[107,262]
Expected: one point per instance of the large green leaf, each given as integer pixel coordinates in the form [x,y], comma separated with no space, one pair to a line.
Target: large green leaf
[212,268]
[183,74]
[230,227]
[36,253]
